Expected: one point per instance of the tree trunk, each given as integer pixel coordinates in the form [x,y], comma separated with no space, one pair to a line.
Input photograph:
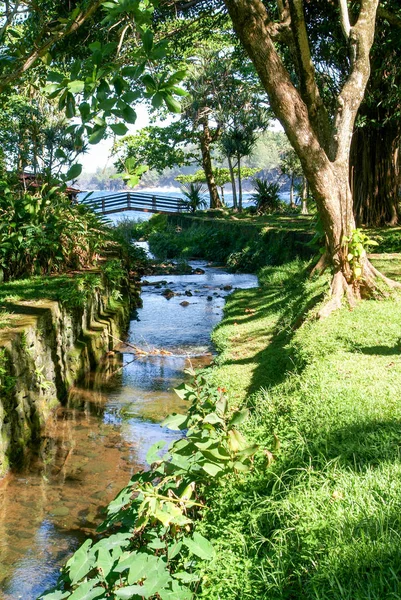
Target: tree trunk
[292,203]
[304,210]
[375,174]
[233,184]
[239,184]
[322,144]
[205,141]
[222,195]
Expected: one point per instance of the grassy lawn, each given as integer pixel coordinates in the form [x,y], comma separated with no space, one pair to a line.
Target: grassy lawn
[323,519]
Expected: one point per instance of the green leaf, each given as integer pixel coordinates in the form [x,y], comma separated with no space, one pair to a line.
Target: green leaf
[173,105]
[153,452]
[130,592]
[213,419]
[55,77]
[97,135]
[119,128]
[104,561]
[81,562]
[84,109]
[175,422]
[58,595]
[239,417]
[239,466]
[199,546]
[74,172]
[129,115]
[212,469]
[157,100]
[130,97]
[76,87]
[87,591]
[147,41]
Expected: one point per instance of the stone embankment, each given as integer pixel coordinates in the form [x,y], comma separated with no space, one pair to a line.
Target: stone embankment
[46,349]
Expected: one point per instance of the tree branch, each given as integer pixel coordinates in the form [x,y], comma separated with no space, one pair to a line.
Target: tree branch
[361,37]
[31,58]
[345,22]
[309,89]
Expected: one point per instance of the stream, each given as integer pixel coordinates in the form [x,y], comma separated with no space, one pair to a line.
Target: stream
[91,447]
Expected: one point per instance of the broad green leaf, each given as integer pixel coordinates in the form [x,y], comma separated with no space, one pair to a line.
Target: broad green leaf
[104,561]
[199,546]
[177,592]
[84,109]
[175,422]
[239,466]
[130,592]
[74,172]
[55,77]
[119,128]
[213,419]
[76,87]
[129,115]
[186,577]
[153,452]
[147,41]
[172,104]
[87,591]
[81,562]
[212,469]
[239,417]
[97,135]
[58,595]
[121,500]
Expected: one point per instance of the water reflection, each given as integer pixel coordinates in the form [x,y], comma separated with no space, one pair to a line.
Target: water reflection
[91,447]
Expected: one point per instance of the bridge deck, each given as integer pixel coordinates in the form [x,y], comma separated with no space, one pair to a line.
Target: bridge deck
[137,201]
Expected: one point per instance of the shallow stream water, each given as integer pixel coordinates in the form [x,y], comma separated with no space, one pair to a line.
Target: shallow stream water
[91,447]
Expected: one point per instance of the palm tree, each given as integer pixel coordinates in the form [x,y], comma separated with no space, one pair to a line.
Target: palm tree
[193,193]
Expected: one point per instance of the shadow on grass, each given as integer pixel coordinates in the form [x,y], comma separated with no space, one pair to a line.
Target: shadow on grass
[288,302]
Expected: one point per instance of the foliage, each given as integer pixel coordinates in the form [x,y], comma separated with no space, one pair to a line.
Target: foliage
[155,552]
[44,232]
[242,248]
[357,243]
[266,196]
[193,194]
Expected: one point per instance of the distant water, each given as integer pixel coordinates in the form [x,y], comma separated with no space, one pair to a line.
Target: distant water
[168,192]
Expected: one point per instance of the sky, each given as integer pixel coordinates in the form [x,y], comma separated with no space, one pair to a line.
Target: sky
[98,155]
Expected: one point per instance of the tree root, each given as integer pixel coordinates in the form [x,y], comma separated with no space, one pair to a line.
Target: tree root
[356,289]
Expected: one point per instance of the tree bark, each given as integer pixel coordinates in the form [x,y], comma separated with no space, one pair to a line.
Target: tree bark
[375,174]
[205,142]
[323,148]
[304,210]
[239,183]
[233,184]
[292,203]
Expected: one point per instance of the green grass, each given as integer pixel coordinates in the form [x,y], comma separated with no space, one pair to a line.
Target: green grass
[323,520]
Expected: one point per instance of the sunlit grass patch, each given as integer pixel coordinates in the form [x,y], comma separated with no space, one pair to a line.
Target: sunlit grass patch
[322,521]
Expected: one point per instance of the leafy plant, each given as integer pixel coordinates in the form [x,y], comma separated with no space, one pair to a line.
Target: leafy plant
[357,243]
[43,232]
[193,192]
[266,196]
[156,551]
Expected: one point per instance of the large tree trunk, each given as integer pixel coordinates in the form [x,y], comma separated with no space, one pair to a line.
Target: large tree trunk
[206,141]
[374,174]
[233,184]
[322,144]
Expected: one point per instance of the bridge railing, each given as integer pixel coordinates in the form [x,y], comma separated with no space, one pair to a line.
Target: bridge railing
[122,201]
